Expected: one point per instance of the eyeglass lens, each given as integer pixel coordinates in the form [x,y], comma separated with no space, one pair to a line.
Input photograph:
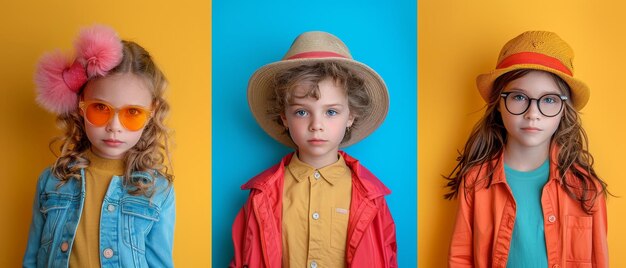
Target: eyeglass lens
[518,103]
[132,118]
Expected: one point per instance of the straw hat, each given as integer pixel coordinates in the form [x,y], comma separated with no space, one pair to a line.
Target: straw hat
[537,50]
[311,48]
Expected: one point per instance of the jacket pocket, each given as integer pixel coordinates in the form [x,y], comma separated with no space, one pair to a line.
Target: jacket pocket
[54,207]
[339,228]
[578,241]
[138,216]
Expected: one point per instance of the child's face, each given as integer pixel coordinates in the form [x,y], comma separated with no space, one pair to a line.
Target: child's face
[318,126]
[112,140]
[532,129]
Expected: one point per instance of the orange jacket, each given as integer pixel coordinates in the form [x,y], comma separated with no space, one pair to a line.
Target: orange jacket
[257,231]
[485,218]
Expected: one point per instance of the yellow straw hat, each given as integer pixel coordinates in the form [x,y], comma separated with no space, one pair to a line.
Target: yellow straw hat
[539,50]
[311,48]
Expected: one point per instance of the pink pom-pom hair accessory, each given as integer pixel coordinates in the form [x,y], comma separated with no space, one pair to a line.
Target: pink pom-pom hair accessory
[59,79]
[99,49]
[58,82]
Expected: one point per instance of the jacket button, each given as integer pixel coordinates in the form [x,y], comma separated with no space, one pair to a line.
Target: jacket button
[552,218]
[313,264]
[65,246]
[108,253]
[111,208]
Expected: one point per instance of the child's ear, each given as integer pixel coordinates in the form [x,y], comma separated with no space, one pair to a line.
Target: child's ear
[350,120]
[283,117]
[80,110]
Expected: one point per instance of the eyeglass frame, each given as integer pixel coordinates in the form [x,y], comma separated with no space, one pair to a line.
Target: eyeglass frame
[504,95]
[82,105]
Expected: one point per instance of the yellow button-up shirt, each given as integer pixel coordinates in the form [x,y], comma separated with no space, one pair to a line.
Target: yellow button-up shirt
[316,205]
[86,248]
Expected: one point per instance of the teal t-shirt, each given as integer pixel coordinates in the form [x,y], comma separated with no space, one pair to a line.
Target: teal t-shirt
[528,245]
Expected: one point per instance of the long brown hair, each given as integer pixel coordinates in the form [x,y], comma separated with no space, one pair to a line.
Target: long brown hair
[488,137]
[151,151]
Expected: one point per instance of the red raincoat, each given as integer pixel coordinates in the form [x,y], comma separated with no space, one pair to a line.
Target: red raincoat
[257,230]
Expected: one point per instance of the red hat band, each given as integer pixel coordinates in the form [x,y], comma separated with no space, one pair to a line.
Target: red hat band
[534,58]
[316,54]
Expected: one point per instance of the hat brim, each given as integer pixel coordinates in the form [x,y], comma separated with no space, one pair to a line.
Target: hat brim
[579,90]
[260,91]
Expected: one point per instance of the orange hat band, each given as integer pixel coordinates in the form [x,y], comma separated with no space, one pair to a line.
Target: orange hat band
[316,54]
[534,58]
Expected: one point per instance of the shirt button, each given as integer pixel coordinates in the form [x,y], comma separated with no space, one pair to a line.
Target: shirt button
[316,175]
[108,253]
[111,208]
[552,218]
[313,264]
[65,246]
[316,216]
[555,266]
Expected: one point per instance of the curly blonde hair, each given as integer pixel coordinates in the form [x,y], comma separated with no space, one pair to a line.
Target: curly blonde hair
[488,138]
[148,155]
[309,76]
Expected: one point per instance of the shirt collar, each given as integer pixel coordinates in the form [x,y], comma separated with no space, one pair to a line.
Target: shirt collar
[300,170]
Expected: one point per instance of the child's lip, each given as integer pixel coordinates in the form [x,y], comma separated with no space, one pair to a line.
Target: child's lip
[112,142]
[531,129]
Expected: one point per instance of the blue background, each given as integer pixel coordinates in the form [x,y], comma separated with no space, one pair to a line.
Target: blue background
[250,34]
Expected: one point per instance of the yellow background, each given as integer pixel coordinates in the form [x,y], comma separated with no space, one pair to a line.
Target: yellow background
[458,40]
[178,35]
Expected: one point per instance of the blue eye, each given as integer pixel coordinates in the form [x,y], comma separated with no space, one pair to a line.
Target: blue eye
[519,97]
[549,99]
[301,113]
[331,112]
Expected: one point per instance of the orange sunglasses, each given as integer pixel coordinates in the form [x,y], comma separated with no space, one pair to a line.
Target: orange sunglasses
[100,113]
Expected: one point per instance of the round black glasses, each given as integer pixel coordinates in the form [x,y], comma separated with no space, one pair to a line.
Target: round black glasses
[518,103]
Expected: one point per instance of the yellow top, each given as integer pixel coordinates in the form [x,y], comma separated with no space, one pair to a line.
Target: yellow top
[316,206]
[85,251]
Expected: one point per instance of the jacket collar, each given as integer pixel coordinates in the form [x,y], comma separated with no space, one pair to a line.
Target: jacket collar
[363,180]
[268,177]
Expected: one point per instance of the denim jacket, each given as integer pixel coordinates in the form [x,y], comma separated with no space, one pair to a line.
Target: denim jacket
[135,231]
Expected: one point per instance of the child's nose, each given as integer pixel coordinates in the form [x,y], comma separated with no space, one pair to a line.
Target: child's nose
[114,125]
[316,123]
[533,110]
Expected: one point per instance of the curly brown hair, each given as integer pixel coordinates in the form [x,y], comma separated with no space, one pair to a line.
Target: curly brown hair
[309,76]
[148,155]
[488,138]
